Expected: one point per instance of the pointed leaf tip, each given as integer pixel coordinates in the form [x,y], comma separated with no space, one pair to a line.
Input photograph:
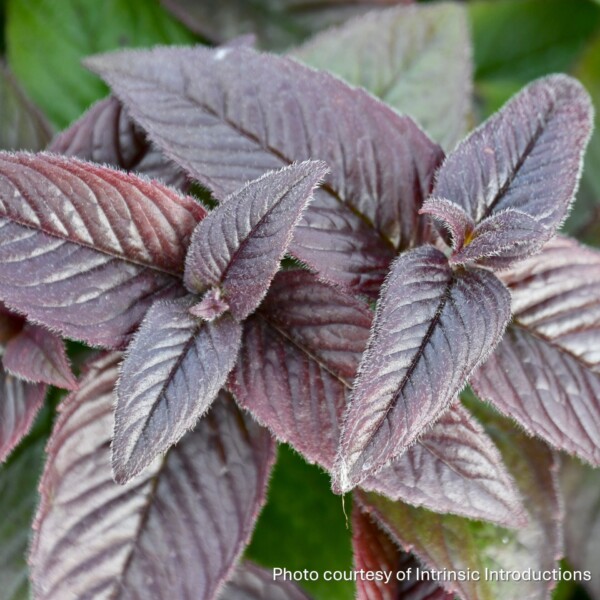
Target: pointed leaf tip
[174,369]
[239,245]
[527,157]
[433,327]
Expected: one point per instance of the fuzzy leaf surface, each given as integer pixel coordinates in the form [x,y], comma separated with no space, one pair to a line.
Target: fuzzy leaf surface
[234,114]
[277,24]
[19,403]
[105,134]
[176,531]
[526,157]
[23,125]
[452,217]
[38,355]
[452,543]
[239,245]
[580,486]
[174,369]
[251,582]
[18,498]
[546,371]
[405,55]
[86,249]
[299,356]
[432,327]
[375,551]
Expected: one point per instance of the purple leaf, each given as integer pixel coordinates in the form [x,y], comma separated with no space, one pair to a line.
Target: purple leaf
[433,326]
[526,157]
[234,114]
[374,551]
[502,239]
[23,126]
[445,542]
[174,532]
[453,217]
[105,134]
[19,403]
[38,355]
[546,371]
[251,582]
[474,481]
[237,248]
[581,491]
[297,362]
[174,369]
[86,249]
[406,56]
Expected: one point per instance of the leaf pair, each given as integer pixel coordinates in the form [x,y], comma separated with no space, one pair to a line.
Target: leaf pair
[502,194]
[505,190]
[184,350]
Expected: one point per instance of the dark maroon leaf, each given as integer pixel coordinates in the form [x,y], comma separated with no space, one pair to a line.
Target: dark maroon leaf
[374,552]
[294,374]
[38,355]
[251,582]
[433,326]
[526,157]
[546,371]
[502,239]
[22,125]
[231,114]
[238,247]
[10,324]
[85,249]
[174,369]
[105,134]
[581,491]
[446,542]
[174,532]
[19,403]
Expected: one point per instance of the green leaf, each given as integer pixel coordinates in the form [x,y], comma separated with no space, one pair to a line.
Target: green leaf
[18,499]
[584,221]
[518,40]
[580,485]
[303,527]
[459,545]
[22,125]
[46,41]
[406,56]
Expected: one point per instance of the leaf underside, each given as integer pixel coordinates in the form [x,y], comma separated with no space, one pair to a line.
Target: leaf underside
[299,356]
[545,373]
[238,246]
[381,163]
[174,369]
[38,355]
[177,531]
[432,327]
[374,551]
[86,249]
